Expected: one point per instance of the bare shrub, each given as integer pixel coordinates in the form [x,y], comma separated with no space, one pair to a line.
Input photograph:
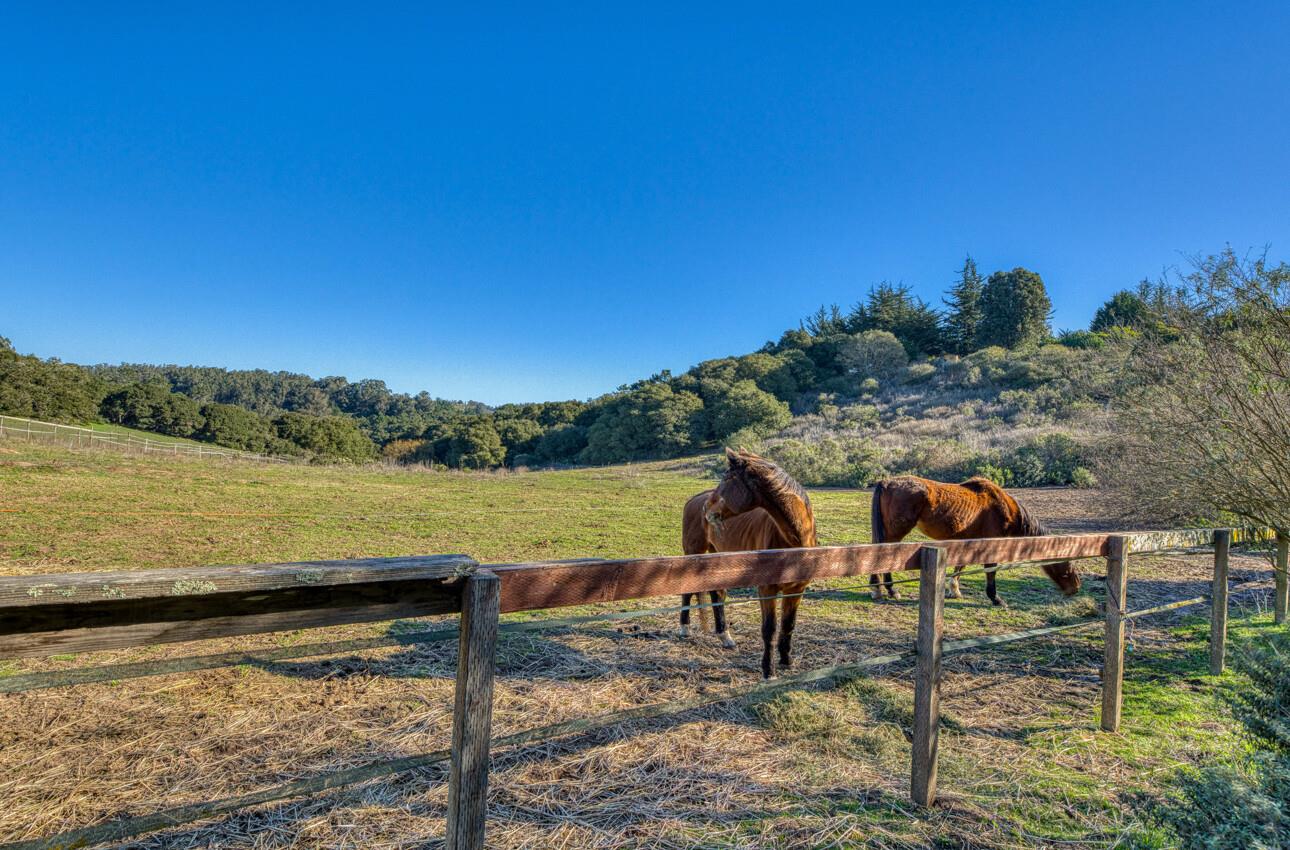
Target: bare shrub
[1205,429]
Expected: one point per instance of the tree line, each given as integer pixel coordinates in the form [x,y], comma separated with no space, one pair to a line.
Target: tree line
[832,354]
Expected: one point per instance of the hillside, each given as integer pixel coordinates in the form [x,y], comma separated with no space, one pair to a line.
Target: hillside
[891,386]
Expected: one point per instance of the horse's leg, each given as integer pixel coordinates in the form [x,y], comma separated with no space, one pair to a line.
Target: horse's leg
[788,620]
[684,631]
[874,587]
[891,588]
[719,618]
[953,590]
[767,595]
[990,590]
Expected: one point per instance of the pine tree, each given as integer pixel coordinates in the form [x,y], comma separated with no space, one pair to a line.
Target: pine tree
[1014,310]
[964,303]
[897,310]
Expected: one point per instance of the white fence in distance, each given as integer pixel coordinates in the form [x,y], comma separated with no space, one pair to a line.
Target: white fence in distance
[75,436]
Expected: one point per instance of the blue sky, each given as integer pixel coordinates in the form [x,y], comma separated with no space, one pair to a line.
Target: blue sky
[509,203]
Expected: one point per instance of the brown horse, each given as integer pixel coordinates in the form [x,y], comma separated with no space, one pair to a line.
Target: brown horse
[696,539]
[758,506]
[976,508]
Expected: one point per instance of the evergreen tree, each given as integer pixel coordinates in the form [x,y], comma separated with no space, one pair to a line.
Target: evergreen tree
[1014,310]
[898,311]
[964,318]
[1124,309]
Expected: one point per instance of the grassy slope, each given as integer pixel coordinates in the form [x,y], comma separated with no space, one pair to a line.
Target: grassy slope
[1022,763]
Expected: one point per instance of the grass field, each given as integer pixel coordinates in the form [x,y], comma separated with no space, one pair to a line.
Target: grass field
[1023,764]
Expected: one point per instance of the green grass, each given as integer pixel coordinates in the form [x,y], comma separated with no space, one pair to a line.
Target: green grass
[97,510]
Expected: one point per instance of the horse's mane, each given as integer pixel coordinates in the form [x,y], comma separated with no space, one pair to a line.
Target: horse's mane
[1028,523]
[775,483]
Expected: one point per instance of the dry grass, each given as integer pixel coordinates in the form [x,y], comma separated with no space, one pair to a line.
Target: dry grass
[1022,764]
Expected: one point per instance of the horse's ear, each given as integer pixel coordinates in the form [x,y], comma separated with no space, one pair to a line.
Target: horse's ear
[734,458]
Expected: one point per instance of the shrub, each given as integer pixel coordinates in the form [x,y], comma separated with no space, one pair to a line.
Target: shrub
[327,438]
[833,460]
[918,373]
[1083,479]
[401,451]
[872,354]
[1050,459]
[1235,807]
[1081,339]
[747,407]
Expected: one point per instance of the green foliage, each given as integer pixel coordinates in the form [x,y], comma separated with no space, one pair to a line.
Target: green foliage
[871,354]
[1124,309]
[1082,478]
[1081,339]
[908,318]
[152,407]
[1014,309]
[46,389]
[1244,806]
[1050,459]
[652,421]
[747,407]
[475,445]
[830,461]
[237,428]
[326,438]
[562,443]
[964,317]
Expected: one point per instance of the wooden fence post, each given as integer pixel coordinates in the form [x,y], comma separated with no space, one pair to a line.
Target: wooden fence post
[1218,610]
[472,714]
[1117,585]
[927,677]
[1283,586]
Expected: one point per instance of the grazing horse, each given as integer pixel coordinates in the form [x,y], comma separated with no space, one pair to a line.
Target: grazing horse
[976,508]
[758,506]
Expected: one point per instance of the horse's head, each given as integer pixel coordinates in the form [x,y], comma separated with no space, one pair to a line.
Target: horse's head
[1064,576]
[734,495]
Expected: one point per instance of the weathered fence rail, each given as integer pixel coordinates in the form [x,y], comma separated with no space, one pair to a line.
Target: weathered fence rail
[43,615]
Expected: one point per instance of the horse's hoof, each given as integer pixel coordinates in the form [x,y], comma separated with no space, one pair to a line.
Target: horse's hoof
[683,632]
[999,603]
[895,594]
[727,641]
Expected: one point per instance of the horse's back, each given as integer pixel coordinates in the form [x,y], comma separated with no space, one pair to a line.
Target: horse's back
[694,531]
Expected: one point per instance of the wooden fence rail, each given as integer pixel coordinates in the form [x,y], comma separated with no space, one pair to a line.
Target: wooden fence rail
[44,615]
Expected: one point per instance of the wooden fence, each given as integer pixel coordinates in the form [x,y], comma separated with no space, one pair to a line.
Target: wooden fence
[47,614]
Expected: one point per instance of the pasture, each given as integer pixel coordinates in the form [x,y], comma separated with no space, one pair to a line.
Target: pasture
[1022,762]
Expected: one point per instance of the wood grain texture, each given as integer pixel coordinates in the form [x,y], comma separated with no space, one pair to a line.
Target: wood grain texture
[1281,592]
[1117,583]
[1218,608]
[472,714]
[927,676]
[554,584]
[32,591]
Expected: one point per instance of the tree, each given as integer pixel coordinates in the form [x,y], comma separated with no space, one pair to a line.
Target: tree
[873,354]
[46,389]
[475,444]
[1014,310]
[1124,309]
[237,428]
[964,317]
[826,321]
[746,406]
[897,310]
[1202,429]
[652,421]
[328,438]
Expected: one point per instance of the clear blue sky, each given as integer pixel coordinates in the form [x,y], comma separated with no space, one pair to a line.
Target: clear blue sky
[521,204]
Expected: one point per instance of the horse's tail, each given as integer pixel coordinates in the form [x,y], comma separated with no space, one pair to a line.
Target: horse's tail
[875,515]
